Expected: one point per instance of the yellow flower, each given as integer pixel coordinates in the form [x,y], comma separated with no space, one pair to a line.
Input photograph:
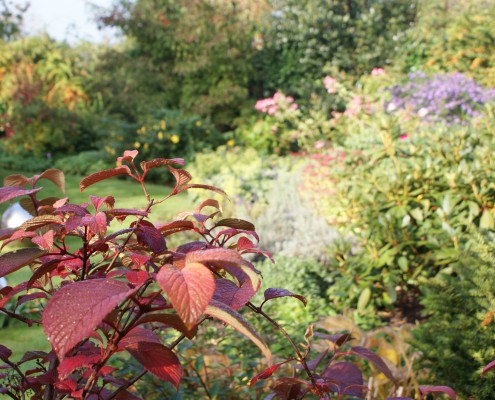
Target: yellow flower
[231,142]
[198,123]
[137,145]
[163,124]
[160,135]
[174,139]
[146,145]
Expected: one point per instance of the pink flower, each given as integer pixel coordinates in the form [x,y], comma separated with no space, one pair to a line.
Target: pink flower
[377,72]
[319,144]
[354,107]
[330,84]
[404,137]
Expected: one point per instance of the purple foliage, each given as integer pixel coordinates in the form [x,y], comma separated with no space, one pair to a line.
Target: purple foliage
[452,98]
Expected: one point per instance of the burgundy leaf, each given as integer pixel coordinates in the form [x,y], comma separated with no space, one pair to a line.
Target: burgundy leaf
[54,175]
[338,339]
[7,292]
[266,373]
[73,208]
[399,398]
[236,224]
[159,360]
[5,353]
[151,237]
[363,352]
[290,388]
[438,389]
[32,355]
[6,233]
[124,212]
[229,293]
[75,311]
[488,367]
[18,235]
[273,293]
[175,226]
[189,289]
[313,364]
[14,260]
[101,175]
[30,297]
[138,259]
[344,377]
[11,192]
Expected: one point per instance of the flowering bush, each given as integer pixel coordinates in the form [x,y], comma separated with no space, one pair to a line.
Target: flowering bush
[453,98]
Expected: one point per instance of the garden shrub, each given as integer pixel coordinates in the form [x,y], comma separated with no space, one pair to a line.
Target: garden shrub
[102,292]
[458,339]
[409,199]
[83,163]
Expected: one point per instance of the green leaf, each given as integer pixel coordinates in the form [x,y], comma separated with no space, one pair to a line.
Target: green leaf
[486,221]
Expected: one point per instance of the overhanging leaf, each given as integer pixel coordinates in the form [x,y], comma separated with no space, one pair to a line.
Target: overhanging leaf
[159,360]
[438,389]
[488,367]
[101,175]
[224,313]
[363,352]
[15,180]
[159,162]
[14,260]
[189,289]
[76,310]
[171,320]
[39,222]
[273,293]
[11,192]
[236,223]
[56,176]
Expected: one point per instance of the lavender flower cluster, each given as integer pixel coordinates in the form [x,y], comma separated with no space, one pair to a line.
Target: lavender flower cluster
[451,98]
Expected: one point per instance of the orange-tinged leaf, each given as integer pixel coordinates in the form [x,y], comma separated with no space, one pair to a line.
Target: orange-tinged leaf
[15,180]
[189,289]
[10,262]
[39,222]
[76,310]
[159,360]
[207,203]
[224,313]
[101,175]
[56,176]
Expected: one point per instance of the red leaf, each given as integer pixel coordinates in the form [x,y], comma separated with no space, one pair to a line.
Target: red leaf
[70,364]
[207,187]
[175,226]
[266,373]
[31,296]
[138,259]
[170,320]
[73,209]
[189,289]
[363,352]
[14,260]
[229,293]
[488,367]
[54,175]
[181,176]
[137,277]
[11,192]
[76,310]
[151,237]
[438,389]
[273,293]
[159,360]
[344,377]
[159,162]
[101,175]
[45,241]
[108,201]
[5,353]
[244,244]
[129,155]
[137,335]
[236,223]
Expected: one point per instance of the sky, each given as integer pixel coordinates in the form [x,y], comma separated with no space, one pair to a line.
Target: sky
[69,20]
